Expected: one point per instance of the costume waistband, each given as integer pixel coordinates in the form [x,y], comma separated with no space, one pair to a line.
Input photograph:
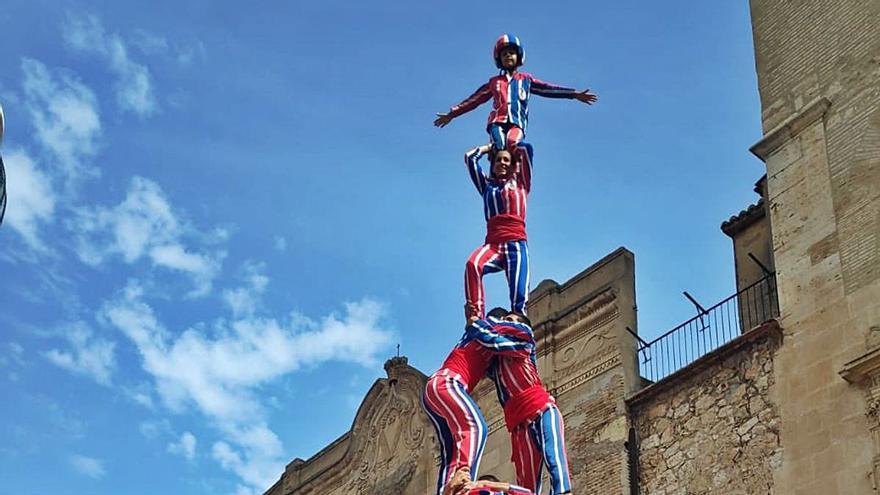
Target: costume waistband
[526,405]
[504,228]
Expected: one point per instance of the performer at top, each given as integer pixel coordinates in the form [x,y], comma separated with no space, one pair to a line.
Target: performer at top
[510,92]
[505,192]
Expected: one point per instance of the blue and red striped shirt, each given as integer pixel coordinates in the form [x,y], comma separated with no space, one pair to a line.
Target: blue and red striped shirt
[519,387]
[510,98]
[504,202]
[482,341]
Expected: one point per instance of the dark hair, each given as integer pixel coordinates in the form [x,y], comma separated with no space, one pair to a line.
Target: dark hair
[497,313]
[488,477]
[525,319]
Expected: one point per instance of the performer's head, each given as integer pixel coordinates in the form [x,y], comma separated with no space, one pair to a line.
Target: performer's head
[515,317]
[508,52]
[502,164]
[498,313]
[488,477]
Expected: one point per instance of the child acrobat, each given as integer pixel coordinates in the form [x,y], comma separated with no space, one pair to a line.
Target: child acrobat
[510,92]
[505,193]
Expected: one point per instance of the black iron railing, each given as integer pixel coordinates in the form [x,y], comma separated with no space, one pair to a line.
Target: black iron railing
[710,329]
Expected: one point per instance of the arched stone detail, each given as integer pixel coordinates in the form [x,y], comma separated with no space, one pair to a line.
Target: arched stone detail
[383,451]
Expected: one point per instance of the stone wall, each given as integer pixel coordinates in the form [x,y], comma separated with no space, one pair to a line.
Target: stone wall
[712,427]
[818,64]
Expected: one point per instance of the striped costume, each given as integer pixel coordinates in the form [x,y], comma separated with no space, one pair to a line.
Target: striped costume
[505,248]
[509,93]
[459,424]
[537,432]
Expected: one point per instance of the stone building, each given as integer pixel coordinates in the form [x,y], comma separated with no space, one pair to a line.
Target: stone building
[775,390]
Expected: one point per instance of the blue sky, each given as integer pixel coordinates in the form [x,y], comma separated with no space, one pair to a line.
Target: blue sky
[223,218]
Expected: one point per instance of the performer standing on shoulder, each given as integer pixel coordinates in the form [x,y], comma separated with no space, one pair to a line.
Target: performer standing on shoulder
[505,193]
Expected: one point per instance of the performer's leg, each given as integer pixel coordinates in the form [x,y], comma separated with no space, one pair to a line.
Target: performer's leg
[514,136]
[444,438]
[484,259]
[548,431]
[527,459]
[446,398]
[498,134]
[515,255]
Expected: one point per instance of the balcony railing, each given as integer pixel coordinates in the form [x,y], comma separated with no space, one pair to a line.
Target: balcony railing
[709,330]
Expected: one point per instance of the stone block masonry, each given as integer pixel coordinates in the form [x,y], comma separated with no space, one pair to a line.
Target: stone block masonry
[712,427]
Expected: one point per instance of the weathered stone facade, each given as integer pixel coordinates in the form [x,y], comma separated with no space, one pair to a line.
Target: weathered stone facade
[818,68]
[712,427]
[389,450]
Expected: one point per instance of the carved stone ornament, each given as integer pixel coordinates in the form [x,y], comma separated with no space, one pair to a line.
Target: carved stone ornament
[382,449]
[873,409]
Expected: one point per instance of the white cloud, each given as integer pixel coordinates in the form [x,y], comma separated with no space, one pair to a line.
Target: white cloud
[140,395]
[189,53]
[152,429]
[185,447]
[149,43]
[31,200]
[89,356]
[280,243]
[154,44]
[89,466]
[13,355]
[221,371]
[143,225]
[134,90]
[244,300]
[65,116]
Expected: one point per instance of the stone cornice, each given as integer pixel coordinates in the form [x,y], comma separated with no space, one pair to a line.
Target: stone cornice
[862,368]
[792,126]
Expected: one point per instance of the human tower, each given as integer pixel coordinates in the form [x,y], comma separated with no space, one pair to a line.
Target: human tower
[499,345]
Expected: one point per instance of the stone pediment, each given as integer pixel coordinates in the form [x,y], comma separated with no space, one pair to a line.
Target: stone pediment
[387,450]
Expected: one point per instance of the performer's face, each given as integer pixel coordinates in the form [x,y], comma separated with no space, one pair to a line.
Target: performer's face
[501,166]
[508,57]
[515,318]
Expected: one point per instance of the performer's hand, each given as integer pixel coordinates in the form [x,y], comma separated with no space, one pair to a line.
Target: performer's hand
[442,119]
[460,478]
[586,97]
[485,148]
[467,487]
[496,486]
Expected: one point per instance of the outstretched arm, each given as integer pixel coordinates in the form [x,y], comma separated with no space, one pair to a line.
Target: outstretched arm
[480,96]
[550,90]
[472,159]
